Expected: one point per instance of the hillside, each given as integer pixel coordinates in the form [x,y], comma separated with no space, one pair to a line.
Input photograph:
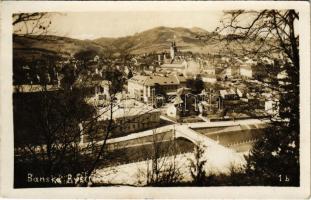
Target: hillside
[196,40]
[153,40]
[157,39]
[48,45]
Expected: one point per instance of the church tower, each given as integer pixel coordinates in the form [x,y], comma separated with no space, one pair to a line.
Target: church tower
[173,49]
[172,52]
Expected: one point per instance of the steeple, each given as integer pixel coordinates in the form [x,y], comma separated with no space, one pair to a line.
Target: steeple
[172,52]
[173,49]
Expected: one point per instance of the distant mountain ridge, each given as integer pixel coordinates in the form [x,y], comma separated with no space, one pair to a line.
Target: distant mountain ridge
[52,44]
[155,40]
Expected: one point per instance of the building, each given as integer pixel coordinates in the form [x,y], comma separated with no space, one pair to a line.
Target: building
[248,68]
[210,70]
[192,69]
[128,117]
[28,88]
[229,101]
[272,106]
[173,50]
[246,71]
[228,95]
[145,88]
[182,80]
[173,111]
[98,92]
[282,77]
[173,53]
[174,61]
[177,65]
[254,70]
[241,91]
[95,89]
[209,78]
[137,88]
[184,104]
[232,71]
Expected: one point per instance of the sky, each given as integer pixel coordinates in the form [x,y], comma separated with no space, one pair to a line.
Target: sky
[92,25]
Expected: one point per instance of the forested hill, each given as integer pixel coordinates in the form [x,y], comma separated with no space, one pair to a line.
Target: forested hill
[158,39]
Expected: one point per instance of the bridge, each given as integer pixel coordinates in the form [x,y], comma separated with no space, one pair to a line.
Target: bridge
[183,131]
[215,154]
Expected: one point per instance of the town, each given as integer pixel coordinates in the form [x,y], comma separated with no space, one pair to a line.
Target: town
[163,95]
[123,105]
[218,101]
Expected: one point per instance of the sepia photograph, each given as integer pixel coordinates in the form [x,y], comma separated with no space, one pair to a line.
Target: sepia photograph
[158,98]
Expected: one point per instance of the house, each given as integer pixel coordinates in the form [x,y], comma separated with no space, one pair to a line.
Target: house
[254,70]
[173,111]
[282,77]
[209,78]
[136,87]
[192,69]
[241,91]
[97,91]
[248,68]
[246,71]
[145,88]
[184,104]
[210,70]
[228,94]
[272,106]
[178,66]
[228,72]
[232,71]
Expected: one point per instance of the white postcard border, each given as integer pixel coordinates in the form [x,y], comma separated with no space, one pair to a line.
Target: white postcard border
[6,125]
